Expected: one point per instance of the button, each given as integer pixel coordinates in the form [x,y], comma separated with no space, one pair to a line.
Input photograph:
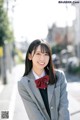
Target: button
[51,107]
[28,80]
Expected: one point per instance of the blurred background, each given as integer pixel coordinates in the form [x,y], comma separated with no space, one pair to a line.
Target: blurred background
[22,21]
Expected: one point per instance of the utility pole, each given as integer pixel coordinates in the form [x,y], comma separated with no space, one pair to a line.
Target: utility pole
[77,30]
[4,64]
[1,61]
[66,35]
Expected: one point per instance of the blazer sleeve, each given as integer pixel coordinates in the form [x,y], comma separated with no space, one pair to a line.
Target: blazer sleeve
[63,106]
[30,107]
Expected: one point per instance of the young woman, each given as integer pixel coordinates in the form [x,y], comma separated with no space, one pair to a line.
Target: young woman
[43,88]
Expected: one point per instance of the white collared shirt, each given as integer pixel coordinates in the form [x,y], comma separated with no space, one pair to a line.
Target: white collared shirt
[36,76]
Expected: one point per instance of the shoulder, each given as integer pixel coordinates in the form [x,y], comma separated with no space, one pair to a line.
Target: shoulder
[59,72]
[23,81]
[60,76]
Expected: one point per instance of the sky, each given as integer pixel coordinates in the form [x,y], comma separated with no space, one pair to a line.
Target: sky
[32,18]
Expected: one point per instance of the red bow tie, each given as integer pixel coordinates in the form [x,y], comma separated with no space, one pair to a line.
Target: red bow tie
[42,82]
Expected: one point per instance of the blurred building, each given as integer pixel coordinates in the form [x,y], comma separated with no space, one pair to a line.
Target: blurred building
[77,29]
[60,35]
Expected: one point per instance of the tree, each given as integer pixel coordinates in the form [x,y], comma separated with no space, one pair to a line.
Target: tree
[6,32]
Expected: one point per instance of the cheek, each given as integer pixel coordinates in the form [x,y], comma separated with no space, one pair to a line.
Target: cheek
[47,59]
[34,59]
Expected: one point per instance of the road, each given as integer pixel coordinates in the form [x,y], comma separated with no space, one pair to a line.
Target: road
[11,101]
[74,91]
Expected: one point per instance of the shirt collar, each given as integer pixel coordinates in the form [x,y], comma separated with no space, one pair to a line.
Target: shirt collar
[36,76]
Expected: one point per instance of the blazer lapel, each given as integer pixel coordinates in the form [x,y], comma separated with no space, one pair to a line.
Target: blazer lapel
[57,95]
[36,93]
[53,91]
[50,91]
[35,90]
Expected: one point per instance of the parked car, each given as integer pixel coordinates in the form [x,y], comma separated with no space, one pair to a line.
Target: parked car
[64,57]
[73,63]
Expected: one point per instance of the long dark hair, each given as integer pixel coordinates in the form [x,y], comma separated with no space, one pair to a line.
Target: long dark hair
[49,69]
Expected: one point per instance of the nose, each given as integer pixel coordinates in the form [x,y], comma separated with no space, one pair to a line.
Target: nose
[42,57]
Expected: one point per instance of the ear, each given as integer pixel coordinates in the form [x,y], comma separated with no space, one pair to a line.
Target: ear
[30,56]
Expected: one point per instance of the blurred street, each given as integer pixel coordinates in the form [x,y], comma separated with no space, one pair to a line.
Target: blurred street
[11,102]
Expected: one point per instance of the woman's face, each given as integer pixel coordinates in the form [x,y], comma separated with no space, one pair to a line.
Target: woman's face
[39,59]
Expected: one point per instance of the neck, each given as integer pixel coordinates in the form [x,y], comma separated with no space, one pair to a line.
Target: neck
[38,72]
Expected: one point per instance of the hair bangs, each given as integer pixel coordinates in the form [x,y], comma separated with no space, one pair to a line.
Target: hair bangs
[45,49]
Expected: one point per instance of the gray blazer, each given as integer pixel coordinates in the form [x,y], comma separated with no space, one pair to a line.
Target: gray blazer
[34,105]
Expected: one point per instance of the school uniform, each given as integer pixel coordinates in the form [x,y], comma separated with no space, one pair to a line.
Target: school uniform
[44,104]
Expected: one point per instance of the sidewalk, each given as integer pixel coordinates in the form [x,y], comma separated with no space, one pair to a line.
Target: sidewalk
[74,95]
[5,93]
[74,108]
[9,77]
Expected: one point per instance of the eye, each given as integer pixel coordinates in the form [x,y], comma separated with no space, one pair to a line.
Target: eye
[37,53]
[46,54]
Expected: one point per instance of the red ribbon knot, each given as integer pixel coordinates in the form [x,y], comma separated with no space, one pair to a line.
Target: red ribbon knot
[42,82]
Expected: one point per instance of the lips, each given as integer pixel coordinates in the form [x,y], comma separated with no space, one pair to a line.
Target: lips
[41,63]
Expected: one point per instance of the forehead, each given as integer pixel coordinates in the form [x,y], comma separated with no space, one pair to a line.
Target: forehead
[38,48]
[41,48]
